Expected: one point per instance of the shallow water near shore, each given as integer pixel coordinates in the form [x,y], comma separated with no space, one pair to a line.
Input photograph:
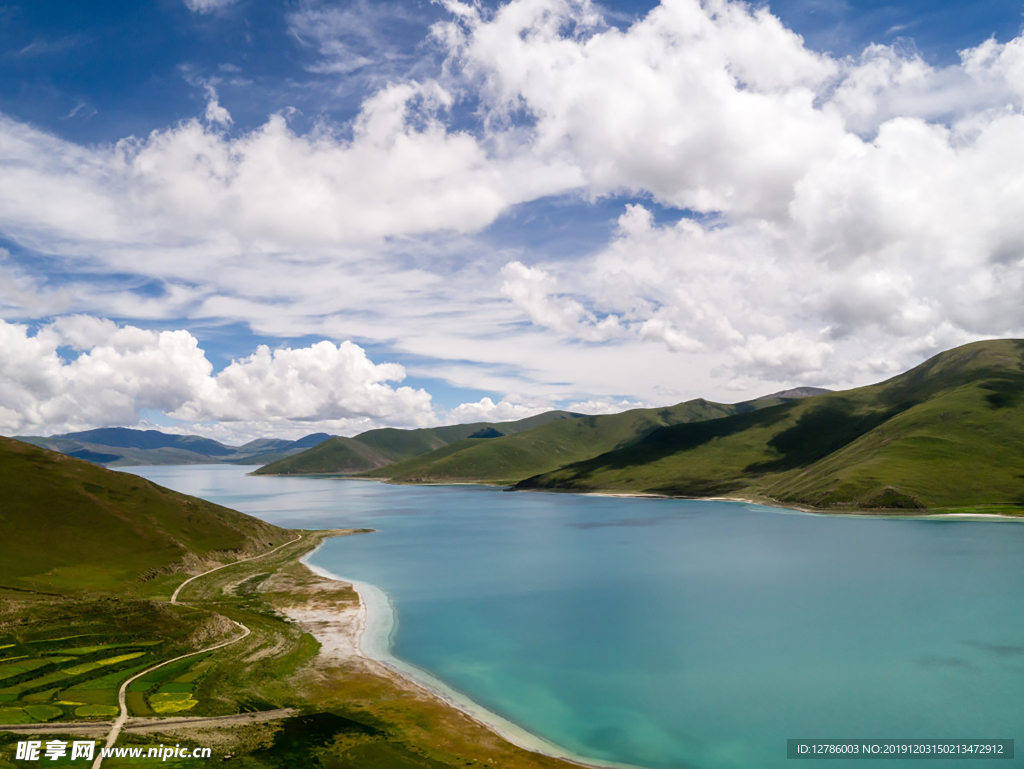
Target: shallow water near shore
[674,633]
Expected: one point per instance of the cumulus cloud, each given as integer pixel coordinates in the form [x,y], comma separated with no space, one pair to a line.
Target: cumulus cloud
[121,370]
[596,406]
[322,382]
[842,206]
[486,410]
[704,105]
[401,172]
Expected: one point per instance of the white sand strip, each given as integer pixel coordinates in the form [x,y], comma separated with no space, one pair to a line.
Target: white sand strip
[378,621]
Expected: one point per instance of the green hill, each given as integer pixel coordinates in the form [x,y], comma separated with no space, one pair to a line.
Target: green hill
[376,448]
[947,433]
[72,527]
[510,458]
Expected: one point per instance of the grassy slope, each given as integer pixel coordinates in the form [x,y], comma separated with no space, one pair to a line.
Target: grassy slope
[947,433]
[72,527]
[348,713]
[377,448]
[547,447]
[91,533]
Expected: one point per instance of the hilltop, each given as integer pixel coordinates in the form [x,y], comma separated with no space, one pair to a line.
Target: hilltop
[947,433]
[378,448]
[499,452]
[72,527]
[510,458]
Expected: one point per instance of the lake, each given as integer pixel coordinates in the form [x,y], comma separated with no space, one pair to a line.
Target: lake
[677,633]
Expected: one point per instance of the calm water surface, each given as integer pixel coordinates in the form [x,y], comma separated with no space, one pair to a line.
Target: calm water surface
[671,633]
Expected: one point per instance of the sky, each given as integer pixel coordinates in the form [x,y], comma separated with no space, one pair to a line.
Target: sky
[252,218]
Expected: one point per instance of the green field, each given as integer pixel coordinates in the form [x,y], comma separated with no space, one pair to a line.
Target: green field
[57,678]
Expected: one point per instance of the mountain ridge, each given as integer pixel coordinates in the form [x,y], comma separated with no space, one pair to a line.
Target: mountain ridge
[946,433]
[127,447]
[374,449]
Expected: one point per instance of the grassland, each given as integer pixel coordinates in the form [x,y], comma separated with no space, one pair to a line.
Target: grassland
[946,436]
[87,576]
[511,458]
[377,448]
[344,713]
[72,528]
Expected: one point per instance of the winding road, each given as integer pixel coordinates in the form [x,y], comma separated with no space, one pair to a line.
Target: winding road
[122,694]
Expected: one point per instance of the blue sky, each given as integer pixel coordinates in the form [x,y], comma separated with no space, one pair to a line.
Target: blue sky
[250,218]
[131,67]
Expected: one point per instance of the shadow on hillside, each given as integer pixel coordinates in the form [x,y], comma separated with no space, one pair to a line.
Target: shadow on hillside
[1005,390]
[664,442]
[820,432]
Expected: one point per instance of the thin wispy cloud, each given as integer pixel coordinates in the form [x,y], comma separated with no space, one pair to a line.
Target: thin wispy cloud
[50,47]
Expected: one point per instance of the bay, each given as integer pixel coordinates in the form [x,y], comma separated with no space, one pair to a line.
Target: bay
[676,633]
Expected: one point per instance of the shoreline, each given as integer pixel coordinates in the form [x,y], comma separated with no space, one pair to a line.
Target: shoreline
[853,512]
[376,624]
[888,514]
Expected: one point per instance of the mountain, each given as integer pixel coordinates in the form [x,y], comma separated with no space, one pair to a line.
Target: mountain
[510,458]
[72,527]
[122,446]
[947,433]
[376,448]
[799,392]
[126,438]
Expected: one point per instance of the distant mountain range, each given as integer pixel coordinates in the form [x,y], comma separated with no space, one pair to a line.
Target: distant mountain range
[384,447]
[946,434]
[502,452]
[122,446]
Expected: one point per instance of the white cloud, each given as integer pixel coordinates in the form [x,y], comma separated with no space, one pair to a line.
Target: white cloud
[851,206]
[534,290]
[513,408]
[215,113]
[845,217]
[486,410]
[401,173]
[597,406]
[206,6]
[122,370]
[319,383]
[708,106]
[376,39]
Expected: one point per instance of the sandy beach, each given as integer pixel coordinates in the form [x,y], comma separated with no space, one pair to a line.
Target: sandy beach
[364,633]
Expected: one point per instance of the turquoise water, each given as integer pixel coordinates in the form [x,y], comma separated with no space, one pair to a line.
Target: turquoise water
[673,633]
